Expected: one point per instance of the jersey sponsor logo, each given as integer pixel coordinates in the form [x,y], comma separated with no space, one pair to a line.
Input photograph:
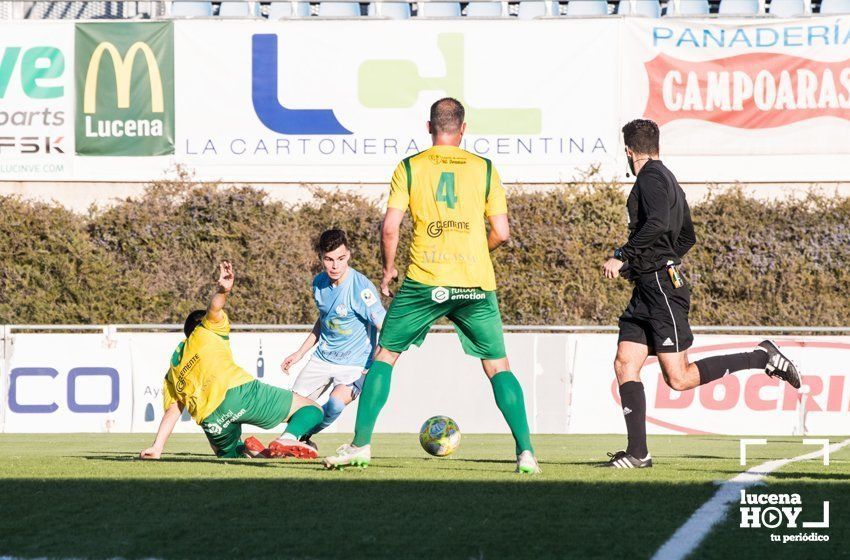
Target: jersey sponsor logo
[466,293]
[181,381]
[440,294]
[436,229]
[754,91]
[223,422]
[446,160]
[440,257]
[336,326]
[368,297]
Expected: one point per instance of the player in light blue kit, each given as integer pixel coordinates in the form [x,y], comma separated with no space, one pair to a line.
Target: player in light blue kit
[350,315]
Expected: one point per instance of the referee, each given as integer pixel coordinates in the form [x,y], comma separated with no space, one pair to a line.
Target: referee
[655,323]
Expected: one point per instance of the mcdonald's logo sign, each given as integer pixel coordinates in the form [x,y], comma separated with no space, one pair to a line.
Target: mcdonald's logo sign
[125,89]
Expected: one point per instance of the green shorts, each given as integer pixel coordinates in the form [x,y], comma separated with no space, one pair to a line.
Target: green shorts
[253,403]
[474,312]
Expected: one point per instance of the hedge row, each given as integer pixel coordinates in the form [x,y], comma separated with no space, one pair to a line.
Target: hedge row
[151,259]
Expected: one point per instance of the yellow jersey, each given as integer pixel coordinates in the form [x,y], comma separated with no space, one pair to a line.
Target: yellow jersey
[202,370]
[449,192]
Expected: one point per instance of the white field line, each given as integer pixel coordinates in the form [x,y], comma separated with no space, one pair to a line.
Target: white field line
[689,536]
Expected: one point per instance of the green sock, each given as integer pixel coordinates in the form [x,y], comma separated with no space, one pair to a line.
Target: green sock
[376,389]
[305,419]
[509,399]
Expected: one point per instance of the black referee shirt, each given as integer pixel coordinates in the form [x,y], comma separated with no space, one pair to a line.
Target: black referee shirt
[660,226]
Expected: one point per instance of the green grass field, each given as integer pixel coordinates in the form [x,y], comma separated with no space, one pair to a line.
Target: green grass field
[85,496]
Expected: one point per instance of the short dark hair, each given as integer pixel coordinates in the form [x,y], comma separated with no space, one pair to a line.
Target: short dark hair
[193,320]
[641,135]
[331,240]
[447,115]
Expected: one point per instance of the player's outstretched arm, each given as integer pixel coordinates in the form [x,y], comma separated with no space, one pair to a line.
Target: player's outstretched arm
[166,426]
[223,287]
[500,231]
[390,230]
[308,343]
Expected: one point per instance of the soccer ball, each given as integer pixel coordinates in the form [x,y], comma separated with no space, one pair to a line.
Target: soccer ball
[439,436]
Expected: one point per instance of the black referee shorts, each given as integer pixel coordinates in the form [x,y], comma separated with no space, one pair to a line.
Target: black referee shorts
[657,315]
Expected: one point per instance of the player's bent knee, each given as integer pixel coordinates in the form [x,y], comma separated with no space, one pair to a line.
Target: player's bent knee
[492,367]
[387,356]
[676,382]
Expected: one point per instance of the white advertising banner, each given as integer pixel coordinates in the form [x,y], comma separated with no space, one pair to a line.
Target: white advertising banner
[88,383]
[344,101]
[36,101]
[754,100]
[748,403]
[68,383]
[761,99]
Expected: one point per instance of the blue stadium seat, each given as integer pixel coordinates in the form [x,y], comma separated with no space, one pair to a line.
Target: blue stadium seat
[282,9]
[835,6]
[183,8]
[484,9]
[439,9]
[339,9]
[787,8]
[529,9]
[392,10]
[587,8]
[691,8]
[239,8]
[739,7]
[644,8]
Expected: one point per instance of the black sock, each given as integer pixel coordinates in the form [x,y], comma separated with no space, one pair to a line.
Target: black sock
[634,411]
[715,367]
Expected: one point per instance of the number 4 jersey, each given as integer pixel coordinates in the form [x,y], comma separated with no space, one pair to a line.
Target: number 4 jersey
[449,192]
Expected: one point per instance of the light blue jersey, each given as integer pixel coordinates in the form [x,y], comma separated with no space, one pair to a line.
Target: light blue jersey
[349,315]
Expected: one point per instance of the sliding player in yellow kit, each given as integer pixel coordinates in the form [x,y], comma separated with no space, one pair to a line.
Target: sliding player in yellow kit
[449,192]
[221,396]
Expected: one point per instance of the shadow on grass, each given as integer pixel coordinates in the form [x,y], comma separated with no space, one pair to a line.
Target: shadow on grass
[243,518]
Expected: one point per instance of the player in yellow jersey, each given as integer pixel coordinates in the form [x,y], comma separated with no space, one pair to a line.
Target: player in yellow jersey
[449,193]
[221,396]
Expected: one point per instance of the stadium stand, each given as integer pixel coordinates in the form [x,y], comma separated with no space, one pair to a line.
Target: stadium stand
[835,7]
[243,8]
[339,9]
[739,7]
[399,9]
[529,9]
[645,8]
[440,9]
[279,10]
[486,9]
[588,8]
[692,8]
[192,9]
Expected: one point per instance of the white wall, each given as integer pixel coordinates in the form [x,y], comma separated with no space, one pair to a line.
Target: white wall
[567,379]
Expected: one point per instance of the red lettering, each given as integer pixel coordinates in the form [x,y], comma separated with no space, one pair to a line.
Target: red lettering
[815,388]
[731,391]
[665,398]
[752,393]
[836,392]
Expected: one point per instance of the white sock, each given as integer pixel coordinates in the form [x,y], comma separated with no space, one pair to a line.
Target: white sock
[288,436]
